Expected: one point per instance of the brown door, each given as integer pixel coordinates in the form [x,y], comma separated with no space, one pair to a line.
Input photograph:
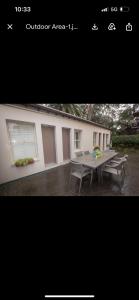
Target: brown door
[48,136]
[66,143]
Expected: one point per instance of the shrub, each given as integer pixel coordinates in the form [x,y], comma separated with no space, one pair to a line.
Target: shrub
[24,162]
[125,140]
[30,160]
[96,148]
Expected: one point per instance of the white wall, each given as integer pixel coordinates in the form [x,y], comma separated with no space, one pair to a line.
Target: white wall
[8,171]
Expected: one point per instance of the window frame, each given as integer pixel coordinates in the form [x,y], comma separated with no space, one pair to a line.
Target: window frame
[9,137]
[77,140]
[95,132]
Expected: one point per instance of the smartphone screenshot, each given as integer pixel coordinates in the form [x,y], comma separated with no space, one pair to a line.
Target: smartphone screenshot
[69,149]
[30,17]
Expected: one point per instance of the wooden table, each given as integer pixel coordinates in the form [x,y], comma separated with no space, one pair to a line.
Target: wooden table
[96,163]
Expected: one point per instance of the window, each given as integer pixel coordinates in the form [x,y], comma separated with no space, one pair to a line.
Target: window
[77,139]
[23,139]
[94,138]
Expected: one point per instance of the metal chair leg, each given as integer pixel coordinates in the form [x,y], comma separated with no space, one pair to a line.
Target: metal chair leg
[100,175]
[80,185]
[122,177]
[91,177]
[126,170]
[70,178]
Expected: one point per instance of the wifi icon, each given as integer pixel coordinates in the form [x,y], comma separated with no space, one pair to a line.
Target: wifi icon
[106,9]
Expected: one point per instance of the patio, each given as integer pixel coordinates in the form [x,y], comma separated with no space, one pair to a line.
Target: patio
[55,182]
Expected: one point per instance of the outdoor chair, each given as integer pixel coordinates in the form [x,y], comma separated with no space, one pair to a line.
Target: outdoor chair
[115,169]
[86,152]
[121,159]
[80,172]
[109,150]
[79,154]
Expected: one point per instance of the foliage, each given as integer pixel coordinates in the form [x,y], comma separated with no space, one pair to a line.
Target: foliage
[99,113]
[97,153]
[125,140]
[125,119]
[135,107]
[24,162]
[96,148]
[104,114]
[116,117]
[74,109]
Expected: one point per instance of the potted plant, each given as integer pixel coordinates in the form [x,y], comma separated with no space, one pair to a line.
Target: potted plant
[96,148]
[96,152]
[30,160]
[24,162]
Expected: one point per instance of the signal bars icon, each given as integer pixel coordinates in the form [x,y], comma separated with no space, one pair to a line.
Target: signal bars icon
[106,9]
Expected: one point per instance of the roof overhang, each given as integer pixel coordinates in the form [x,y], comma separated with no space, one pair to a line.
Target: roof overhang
[40,107]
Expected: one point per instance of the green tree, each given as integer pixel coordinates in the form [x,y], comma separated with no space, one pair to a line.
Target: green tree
[101,113]
[74,109]
[126,116]
[113,116]
[135,107]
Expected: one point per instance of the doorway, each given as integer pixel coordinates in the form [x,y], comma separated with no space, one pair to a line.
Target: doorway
[66,143]
[49,148]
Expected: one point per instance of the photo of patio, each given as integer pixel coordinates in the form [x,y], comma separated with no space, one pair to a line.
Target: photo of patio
[51,152]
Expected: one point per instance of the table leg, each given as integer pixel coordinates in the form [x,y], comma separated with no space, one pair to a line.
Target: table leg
[100,177]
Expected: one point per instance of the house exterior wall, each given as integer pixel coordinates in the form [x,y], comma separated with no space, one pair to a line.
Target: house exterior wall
[8,171]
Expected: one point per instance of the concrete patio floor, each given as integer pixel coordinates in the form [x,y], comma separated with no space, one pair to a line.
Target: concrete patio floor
[55,182]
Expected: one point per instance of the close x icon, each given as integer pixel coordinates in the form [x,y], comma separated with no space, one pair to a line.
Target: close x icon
[10,26]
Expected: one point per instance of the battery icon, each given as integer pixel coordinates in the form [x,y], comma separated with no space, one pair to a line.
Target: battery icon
[124,8]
